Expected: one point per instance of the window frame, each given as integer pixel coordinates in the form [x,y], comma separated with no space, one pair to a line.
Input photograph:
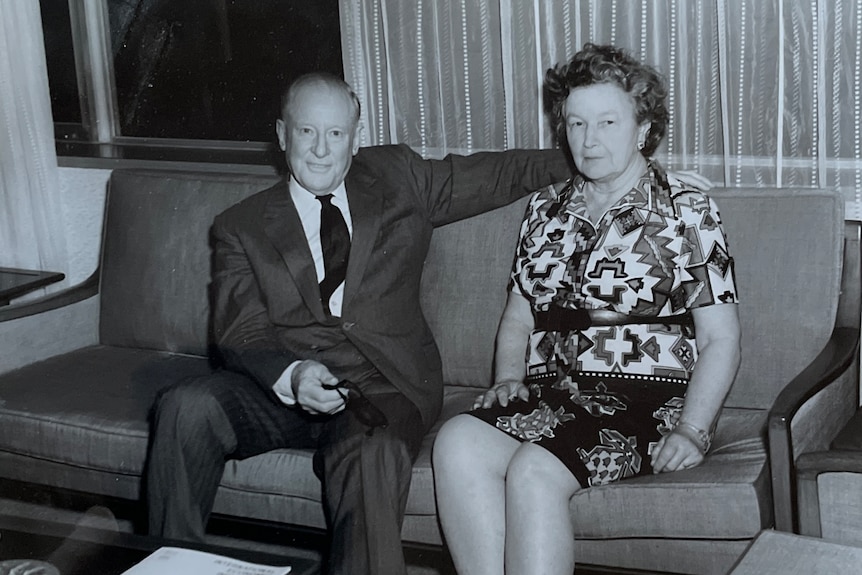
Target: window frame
[97,142]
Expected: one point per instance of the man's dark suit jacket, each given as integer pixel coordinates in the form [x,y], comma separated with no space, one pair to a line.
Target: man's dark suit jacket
[267,310]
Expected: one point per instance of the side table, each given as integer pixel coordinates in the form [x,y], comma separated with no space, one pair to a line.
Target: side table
[16,282]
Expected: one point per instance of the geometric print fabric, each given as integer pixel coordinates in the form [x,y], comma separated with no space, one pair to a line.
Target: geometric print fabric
[660,251]
[601,397]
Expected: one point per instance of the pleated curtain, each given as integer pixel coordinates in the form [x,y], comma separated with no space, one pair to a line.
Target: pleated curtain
[31,223]
[762,92]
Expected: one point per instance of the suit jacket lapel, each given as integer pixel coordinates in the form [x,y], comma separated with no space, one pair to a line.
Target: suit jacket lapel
[284,229]
[366,207]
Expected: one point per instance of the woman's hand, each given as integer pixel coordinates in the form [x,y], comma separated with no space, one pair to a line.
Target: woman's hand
[718,341]
[516,323]
[502,392]
[675,451]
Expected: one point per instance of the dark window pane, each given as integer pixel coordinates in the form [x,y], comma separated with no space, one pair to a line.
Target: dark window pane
[214,69]
[63,82]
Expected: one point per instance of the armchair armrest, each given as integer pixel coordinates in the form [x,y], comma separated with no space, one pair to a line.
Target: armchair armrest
[86,289]
[809,468]
[810,465]
[839,353]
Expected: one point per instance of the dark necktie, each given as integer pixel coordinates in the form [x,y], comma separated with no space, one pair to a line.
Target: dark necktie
[335,242]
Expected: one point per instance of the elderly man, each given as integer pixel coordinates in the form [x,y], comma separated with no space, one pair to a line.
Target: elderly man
[318,325]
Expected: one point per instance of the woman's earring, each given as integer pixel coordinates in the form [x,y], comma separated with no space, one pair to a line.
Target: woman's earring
[640,145]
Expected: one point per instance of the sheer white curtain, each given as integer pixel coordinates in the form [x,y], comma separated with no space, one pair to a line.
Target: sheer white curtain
[31,225]
[762,92]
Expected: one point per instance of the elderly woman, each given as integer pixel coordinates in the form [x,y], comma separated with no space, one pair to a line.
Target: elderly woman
[615,271]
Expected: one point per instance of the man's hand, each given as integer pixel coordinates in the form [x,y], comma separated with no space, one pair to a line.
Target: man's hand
[306,383]
[674,452]
[692,179]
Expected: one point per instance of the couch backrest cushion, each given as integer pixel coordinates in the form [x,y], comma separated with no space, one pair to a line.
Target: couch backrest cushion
[787,245]
[156,257]
[464,289]
[156,271]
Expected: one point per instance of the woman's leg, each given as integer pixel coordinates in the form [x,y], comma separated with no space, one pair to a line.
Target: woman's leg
[539,534]
[470,461]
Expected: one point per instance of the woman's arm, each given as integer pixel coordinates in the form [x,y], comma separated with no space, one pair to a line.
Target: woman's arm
[718,342]
[514,330]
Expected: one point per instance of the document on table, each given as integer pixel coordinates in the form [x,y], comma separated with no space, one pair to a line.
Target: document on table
[179,561]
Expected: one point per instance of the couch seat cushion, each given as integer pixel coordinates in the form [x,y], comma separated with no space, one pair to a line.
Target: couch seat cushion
[63,410]
[266,473]
[727,497]
[88,408]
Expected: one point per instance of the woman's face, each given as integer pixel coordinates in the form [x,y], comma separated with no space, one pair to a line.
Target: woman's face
[602,131]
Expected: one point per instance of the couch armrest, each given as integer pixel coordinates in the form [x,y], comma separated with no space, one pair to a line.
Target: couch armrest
[51,325]
[86,289]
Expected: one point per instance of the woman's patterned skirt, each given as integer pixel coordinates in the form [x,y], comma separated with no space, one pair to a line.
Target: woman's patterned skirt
[602,426]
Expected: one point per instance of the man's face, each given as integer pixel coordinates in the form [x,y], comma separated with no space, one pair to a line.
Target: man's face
[318,136]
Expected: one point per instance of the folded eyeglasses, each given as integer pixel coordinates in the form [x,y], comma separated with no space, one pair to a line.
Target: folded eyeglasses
[365,412]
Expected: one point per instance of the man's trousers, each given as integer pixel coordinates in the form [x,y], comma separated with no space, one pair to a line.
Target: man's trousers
[200,423]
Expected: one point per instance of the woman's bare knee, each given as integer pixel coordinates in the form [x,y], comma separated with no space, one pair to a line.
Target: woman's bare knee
[452,442]
[469,445]
[534,467]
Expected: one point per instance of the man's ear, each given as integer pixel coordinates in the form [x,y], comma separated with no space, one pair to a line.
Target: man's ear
[357,137]
[280,128]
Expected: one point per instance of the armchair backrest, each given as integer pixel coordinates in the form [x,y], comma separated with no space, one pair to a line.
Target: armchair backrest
[788,247]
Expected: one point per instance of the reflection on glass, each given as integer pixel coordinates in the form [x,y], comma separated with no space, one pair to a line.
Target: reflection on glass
[62,80]
[213,69]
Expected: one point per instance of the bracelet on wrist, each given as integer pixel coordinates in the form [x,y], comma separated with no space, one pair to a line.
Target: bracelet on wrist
[700,437]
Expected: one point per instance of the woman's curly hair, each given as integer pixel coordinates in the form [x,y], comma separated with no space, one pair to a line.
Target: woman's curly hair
[597,64]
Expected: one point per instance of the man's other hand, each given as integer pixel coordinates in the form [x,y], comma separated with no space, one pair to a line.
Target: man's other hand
[692,178]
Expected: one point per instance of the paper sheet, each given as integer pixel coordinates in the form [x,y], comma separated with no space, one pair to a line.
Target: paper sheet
[179,561]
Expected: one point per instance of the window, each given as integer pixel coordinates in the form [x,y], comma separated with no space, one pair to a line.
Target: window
[195,70]
[62,72]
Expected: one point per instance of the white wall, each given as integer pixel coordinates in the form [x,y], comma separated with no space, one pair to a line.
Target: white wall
[83,191]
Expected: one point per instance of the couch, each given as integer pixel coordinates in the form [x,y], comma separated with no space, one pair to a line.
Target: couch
[82,368]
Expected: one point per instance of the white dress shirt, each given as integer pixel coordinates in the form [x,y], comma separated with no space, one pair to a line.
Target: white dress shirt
[308,207]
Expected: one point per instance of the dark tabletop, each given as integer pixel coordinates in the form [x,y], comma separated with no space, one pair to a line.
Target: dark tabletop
[88,551]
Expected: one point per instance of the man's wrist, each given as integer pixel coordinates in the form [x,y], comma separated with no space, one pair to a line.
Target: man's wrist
[294,385]
[285,383]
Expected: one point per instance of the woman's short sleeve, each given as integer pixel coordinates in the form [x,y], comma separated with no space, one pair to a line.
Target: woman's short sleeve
[705,262]
[530,215]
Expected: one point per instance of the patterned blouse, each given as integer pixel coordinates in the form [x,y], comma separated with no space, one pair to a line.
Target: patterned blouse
[659,251]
